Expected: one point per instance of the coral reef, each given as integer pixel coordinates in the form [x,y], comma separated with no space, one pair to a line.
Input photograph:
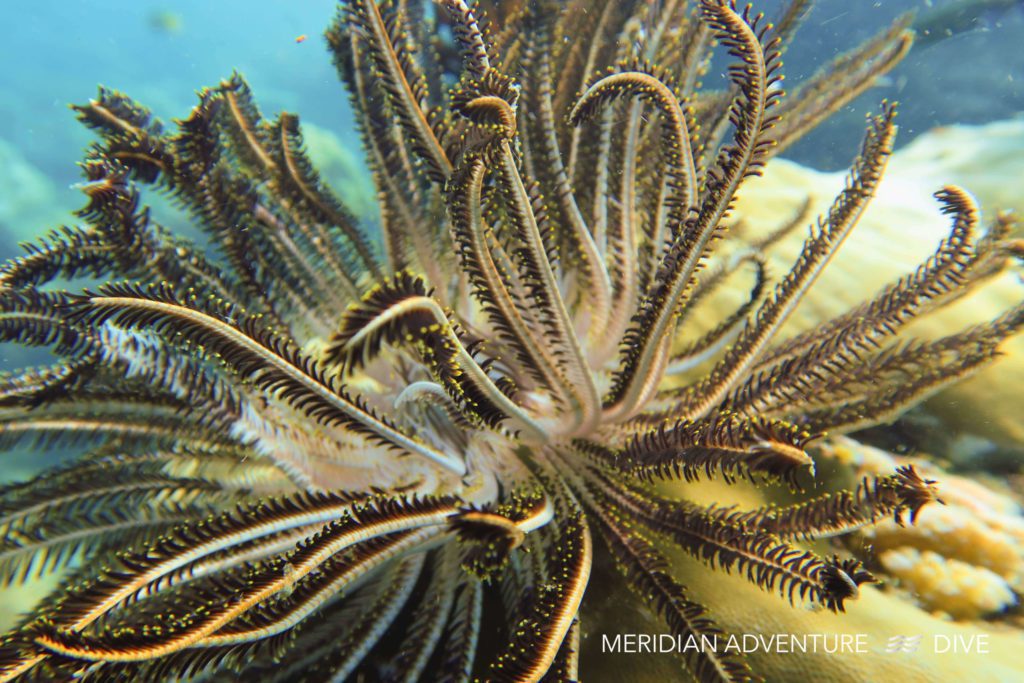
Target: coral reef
[957,588]
[964,558]
[343,169]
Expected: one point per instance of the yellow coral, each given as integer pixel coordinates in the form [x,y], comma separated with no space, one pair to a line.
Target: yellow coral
[962,590]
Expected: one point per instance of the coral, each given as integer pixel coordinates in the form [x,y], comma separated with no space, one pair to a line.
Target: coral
[983,156]
[958,588]
[343,169]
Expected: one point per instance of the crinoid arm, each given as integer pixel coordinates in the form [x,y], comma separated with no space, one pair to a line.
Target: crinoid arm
[328,447]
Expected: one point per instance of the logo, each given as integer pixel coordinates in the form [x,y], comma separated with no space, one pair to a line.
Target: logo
[907,644]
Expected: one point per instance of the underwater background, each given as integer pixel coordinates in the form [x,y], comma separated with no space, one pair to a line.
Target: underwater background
[56,52]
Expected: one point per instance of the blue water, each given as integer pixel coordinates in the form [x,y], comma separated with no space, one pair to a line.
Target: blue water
[55,52]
